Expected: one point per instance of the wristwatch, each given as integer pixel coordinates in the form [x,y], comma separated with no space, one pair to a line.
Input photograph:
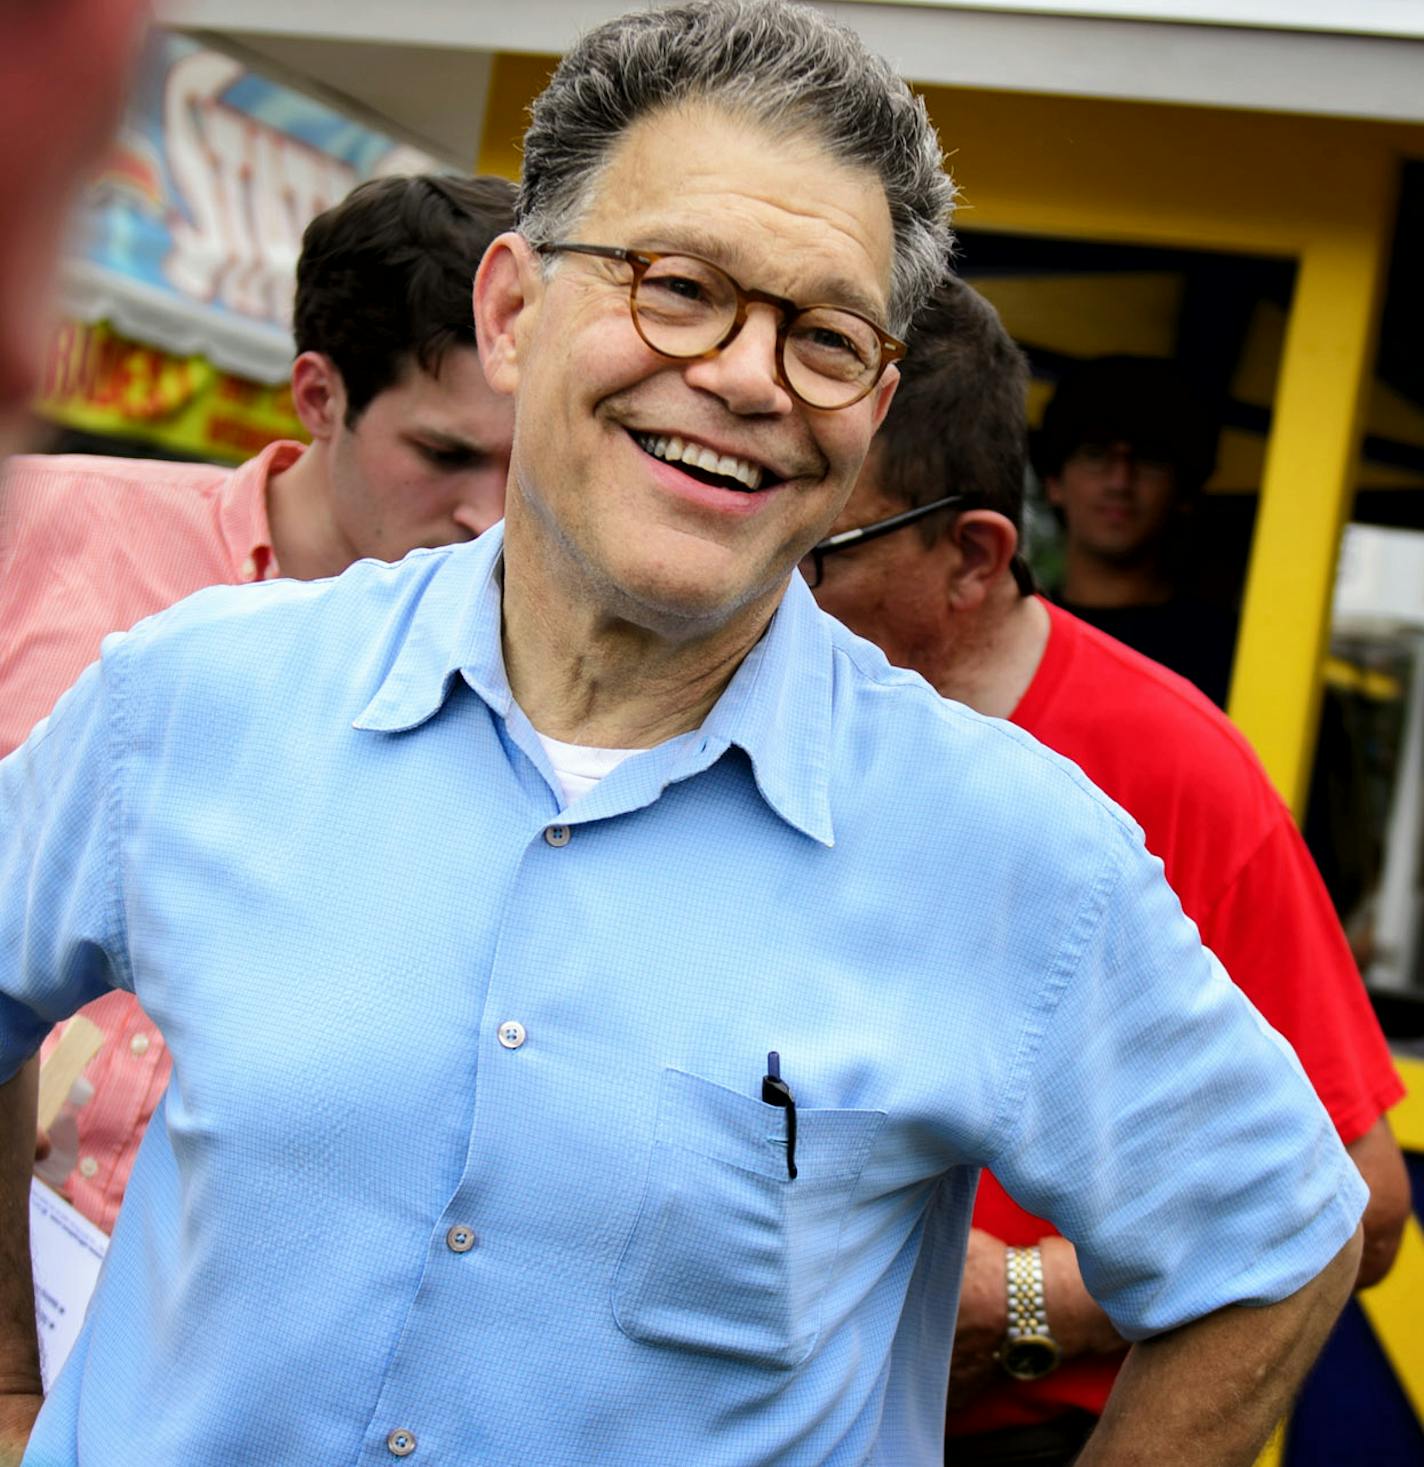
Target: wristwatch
[1029,1351]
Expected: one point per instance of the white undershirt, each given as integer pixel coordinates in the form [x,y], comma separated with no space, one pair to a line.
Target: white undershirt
[578,767]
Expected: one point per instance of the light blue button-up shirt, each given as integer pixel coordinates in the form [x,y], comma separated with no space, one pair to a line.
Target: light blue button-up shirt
[464,1155]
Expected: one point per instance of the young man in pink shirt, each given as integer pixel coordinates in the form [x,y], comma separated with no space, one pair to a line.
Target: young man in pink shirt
[409,447]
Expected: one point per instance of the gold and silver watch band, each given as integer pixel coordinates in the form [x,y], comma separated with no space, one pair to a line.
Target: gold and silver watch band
[1028,1312]
[1029,1350]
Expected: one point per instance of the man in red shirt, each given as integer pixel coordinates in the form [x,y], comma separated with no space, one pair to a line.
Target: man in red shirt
[409,447]
[924,562]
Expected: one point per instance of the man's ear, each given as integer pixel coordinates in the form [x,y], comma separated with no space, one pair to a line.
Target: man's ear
[508,288]
[986,542]
[1053,490]
[319,395]
[884,394]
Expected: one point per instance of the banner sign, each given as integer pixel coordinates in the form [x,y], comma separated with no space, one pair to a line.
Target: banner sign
[200,209]
[100,382]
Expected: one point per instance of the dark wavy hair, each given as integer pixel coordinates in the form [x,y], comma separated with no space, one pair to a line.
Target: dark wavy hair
[956,424]
[384,277]
[1145,401]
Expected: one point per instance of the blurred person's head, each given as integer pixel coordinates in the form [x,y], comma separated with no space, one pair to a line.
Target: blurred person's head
[411,444]
[64,65]
[1124,448]
[955,430]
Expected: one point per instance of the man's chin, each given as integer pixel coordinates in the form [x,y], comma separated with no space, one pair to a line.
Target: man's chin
[690,605]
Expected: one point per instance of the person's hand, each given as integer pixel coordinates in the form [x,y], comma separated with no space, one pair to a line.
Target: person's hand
[983,1320]
[17,1419]
[1077,1323]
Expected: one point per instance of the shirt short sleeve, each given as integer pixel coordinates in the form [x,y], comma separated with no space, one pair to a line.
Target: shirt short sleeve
[1164,1127]
[60,928]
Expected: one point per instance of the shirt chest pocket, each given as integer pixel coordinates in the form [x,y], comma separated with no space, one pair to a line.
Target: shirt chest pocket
[729,1256]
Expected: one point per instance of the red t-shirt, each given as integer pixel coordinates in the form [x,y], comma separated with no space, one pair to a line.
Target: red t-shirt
[1232,853]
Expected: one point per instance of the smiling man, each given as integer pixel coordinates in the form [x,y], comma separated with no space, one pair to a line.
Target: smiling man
[656,966]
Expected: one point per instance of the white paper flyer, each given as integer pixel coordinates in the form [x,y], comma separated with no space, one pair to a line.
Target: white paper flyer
[66,1250]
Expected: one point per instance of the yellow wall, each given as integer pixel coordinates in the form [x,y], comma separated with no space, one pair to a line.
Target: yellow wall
[1315,190]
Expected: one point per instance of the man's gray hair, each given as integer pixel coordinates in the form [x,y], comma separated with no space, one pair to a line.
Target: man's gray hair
[784,66]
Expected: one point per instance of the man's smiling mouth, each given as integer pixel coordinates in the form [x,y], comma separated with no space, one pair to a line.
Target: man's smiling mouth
[721,470]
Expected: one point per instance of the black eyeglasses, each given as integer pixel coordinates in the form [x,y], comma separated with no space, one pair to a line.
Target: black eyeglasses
[687,308]
[813,563]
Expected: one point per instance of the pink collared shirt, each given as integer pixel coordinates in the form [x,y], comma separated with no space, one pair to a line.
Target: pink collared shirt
[89,546]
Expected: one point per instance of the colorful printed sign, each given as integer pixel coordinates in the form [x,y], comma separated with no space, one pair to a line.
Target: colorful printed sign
[100,382]
[197,217]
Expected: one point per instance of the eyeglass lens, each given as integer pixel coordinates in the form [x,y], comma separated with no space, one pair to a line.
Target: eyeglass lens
[685,307]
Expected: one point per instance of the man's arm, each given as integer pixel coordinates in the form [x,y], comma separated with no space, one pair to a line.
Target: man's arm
[1081,1327]
[1209,1393]
[1377,1155]
[20,1390]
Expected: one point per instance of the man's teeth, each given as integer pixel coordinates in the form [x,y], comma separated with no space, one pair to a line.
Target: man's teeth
[673,450]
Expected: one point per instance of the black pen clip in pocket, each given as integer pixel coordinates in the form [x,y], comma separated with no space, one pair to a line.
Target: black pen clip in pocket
[775,1091]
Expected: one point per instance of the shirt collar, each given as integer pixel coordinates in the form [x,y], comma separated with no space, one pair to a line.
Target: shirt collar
[776,709]
[242,511]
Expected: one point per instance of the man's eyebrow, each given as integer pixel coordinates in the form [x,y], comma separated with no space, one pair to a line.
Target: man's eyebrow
[438,438]
[829,290]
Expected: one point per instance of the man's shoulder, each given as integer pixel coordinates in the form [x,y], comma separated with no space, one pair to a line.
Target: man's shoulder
[314,635]
[1112,697]
[46,475]
[986,771]
[1160,748]
[63,505]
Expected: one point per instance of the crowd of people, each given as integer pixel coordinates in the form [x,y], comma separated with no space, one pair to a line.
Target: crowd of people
[576,989]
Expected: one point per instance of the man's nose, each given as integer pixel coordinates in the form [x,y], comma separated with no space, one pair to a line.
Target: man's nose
[483,504]
[743,373]
[1120,467]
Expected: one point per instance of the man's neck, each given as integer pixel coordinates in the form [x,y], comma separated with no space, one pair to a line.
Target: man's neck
[305,539]
[995,651]
[1089,580]
[585,677]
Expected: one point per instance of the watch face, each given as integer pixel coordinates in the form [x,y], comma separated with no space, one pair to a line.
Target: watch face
[1030,1357]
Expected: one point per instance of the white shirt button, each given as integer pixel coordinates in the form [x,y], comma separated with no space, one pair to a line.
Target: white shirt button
[558,835]
[249,569]
[400,1443]
[460,1239]
[87,1166]
[139,1044]
[511,1033]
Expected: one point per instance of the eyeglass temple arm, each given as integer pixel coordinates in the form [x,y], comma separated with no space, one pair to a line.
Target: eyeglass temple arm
[1019,568]
[846,538]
